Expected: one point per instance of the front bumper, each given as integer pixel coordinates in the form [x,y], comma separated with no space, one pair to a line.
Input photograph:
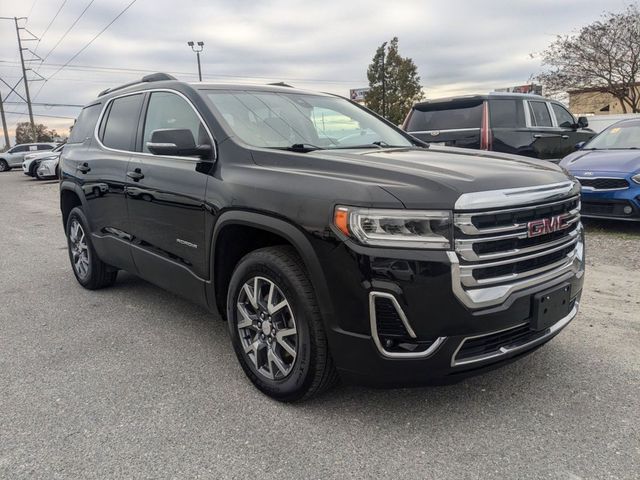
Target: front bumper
[422,285]
[617,204]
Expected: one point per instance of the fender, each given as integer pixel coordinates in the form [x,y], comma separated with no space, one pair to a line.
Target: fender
[293,235]
[75,188]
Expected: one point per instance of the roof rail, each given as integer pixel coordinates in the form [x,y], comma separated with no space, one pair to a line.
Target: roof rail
[152,77]
[280,84]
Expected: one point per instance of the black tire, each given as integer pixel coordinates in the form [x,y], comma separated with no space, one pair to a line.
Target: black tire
[97,273]
[32,169]
[312,371]
[4,166]
[37,175]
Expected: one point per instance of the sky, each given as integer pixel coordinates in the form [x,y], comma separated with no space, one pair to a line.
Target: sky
[459,46]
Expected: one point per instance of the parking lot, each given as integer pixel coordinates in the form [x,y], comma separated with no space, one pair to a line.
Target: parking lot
[134,382]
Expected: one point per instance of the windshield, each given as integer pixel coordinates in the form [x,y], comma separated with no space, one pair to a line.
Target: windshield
[617,137]
[282,120]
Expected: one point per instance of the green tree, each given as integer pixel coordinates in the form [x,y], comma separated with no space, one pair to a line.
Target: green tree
[24,133]
[603,57]
[394,83]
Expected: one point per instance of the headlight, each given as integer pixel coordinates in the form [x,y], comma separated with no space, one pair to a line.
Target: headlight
[636,178]
[430,229]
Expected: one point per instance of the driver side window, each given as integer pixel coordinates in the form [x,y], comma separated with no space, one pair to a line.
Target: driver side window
[168,110]
[564,118]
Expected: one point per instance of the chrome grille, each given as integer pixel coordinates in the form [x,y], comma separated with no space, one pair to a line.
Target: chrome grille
[495,252]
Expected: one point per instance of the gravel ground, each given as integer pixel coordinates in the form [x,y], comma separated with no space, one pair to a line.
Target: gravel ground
[132,382]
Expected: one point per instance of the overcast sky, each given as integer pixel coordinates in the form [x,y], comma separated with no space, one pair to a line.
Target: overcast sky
[459,46]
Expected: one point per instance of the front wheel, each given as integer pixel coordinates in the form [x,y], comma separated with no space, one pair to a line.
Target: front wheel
[91,272]
[276,327]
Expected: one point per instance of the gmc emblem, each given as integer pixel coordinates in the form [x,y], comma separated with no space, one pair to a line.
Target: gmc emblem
[544,226]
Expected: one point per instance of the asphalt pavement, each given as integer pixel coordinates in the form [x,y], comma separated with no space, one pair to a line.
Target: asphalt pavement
[133,382]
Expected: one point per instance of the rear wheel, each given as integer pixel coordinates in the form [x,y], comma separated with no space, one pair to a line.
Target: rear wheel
[4,166]
[90,271]
[276,328]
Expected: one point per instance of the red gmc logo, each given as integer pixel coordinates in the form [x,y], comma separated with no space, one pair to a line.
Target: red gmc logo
[546,225]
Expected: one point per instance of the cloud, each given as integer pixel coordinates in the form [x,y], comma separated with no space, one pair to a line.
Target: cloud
[459,46]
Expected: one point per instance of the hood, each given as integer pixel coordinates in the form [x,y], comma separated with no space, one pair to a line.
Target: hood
[419,177]
[621,161]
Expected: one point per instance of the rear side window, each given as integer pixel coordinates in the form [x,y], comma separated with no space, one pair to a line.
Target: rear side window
[446,116]
[506,113]
[121,123]
[19,148]
[564,118]
[540,116]
[45,147]
[85,124]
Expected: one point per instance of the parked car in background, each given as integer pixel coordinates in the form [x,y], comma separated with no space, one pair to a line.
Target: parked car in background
[14,156]
[598,123]
[521,124]
[608,167]
[48,167]
[32,160]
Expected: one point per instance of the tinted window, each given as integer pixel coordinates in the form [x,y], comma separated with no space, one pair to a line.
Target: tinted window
[505,113]
[45,147]
[19,148]
[168,110]
[564,118]
[540,115]
[85,124]
[446,116]
[122,122]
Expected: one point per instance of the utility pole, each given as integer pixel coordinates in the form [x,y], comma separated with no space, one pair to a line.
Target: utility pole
[197,49]
[7,142]
[26,81]
[384,85]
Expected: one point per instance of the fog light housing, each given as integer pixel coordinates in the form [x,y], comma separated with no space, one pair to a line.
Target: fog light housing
[627,210]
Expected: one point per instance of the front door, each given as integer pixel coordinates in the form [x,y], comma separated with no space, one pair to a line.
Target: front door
[165,199]
[547,139]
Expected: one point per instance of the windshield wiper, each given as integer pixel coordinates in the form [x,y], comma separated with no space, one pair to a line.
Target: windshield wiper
[300,147]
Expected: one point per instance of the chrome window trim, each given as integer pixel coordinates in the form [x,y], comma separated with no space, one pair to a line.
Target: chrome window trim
[470,129]
[553,125]
[374,329]
[593,189]
[559,325]
[145,154]
[517,196]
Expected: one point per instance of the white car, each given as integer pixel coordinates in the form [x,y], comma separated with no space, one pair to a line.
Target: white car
[14,156]
[48,167]
[32,160]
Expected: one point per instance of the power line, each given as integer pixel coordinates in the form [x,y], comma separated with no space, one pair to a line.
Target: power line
[50,23]
[94,38]
[68,30]
[40,115]
[45,104]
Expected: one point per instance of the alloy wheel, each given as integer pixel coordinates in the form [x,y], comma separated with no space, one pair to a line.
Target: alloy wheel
[79,249]
[267,328]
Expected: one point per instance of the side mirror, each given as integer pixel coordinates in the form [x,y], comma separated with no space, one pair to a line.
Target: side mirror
[583,122]
[579,145]
[177,142]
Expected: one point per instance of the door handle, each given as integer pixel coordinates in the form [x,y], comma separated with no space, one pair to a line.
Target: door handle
[136,175]
[565,137]
[545,135]
[84,168]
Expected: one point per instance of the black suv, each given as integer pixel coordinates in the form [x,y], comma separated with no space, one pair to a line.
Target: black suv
[333,243]
[521,124]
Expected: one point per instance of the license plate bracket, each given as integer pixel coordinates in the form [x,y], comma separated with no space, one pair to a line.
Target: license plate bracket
[550,306]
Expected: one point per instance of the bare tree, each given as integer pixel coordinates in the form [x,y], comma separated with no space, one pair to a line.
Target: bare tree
[602,57]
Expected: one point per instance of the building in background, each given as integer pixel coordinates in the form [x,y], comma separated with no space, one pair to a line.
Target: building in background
[592,101]
[529,88]
[357,94]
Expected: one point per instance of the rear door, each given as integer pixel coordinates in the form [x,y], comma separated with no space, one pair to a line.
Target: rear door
[165,198]
[548,140]
[508,124]
[454,123]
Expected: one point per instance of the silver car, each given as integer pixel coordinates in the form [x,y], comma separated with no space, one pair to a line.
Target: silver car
[14,156]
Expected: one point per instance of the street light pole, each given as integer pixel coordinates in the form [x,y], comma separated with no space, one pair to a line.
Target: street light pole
[384,86]
[197,49]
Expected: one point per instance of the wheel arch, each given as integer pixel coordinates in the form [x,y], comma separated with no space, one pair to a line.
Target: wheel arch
[71,196]
[275,228]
